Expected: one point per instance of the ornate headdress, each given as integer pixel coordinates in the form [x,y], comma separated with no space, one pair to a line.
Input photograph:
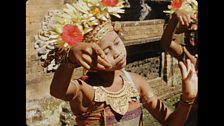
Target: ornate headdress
[187,5]
[82,21]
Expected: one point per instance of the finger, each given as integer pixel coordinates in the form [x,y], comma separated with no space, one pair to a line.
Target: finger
[88,50]
[98,50]
[119,58]
[77,58]
[100,67]
[181,20]
[183,69]
[93,63]
[185,21]
[189,19]
[190,74]
[188,65]
[193,19]
[85,65]
[103,62]
[87,59]
[193,68]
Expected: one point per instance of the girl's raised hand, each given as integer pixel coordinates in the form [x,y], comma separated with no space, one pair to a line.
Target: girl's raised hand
[189,79]
[90,56]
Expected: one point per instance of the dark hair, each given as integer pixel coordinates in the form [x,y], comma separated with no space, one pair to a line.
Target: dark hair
[191,41]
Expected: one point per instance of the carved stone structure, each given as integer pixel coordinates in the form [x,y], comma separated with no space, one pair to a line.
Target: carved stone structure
[139,32]
[149,67]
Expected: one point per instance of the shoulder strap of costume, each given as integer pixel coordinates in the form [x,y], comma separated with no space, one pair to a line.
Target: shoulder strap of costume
[129,77]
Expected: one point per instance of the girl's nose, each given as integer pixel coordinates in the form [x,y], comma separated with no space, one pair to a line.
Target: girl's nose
[116,53]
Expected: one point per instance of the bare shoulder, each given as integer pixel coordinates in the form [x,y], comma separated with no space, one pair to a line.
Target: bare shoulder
[142,84]
[138,79]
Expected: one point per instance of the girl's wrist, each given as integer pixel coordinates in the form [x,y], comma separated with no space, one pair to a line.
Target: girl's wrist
[71,64]
[186,102]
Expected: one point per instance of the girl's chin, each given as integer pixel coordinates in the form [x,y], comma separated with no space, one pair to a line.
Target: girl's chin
[117,67]
[120,66]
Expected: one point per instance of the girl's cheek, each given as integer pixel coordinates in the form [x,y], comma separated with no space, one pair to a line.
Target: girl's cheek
[109,60]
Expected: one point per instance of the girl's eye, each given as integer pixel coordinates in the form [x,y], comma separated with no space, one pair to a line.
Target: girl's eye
[116,43]
[106,51]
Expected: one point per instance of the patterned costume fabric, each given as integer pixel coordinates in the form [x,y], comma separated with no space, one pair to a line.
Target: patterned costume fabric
[123,107]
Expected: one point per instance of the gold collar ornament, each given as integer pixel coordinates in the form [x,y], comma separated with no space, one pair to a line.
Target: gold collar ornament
[118,101]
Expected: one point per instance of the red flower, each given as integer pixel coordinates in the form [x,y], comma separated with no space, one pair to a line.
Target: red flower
[109,2]
[71,34]
[176,4]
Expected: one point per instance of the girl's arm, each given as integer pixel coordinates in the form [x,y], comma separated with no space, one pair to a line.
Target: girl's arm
[184,19]
[60,85]
[167,42]
[189,93]
[159,110]
[150,101]
[79,55]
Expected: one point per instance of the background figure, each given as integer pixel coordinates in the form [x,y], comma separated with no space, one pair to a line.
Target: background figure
[183,21]
[145,10]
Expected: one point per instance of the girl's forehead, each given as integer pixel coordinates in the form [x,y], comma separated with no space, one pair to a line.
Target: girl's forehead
[109,37]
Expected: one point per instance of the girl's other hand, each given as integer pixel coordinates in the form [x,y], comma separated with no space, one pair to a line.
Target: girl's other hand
[189,79]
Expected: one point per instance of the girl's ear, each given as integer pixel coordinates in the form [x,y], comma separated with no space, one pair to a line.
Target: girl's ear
[117,26]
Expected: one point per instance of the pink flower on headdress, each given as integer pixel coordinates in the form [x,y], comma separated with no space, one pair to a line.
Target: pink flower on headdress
[71,34]
[111,3]
[176,4]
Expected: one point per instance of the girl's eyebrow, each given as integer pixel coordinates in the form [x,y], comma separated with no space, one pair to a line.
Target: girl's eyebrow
[113,42]
[115,39]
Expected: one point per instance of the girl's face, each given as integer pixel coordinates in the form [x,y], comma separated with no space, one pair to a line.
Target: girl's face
[114,50]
